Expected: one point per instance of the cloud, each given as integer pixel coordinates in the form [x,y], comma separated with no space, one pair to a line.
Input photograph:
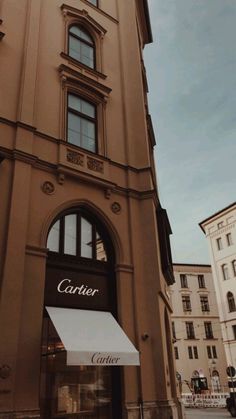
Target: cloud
[192,79]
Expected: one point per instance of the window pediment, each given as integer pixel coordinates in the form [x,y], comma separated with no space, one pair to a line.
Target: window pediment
[96,91]
[83,17]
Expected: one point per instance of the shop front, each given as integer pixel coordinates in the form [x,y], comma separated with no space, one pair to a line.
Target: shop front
[83,346]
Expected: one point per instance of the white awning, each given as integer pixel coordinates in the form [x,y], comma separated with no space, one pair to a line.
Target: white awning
[92,338]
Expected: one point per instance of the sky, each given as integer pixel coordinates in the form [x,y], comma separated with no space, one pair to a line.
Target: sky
[191,69]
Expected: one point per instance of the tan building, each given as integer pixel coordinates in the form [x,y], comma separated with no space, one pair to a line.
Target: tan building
[84,253]
[220,231]
[198,346]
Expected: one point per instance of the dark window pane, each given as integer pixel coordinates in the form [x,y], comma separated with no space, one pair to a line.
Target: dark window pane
[176,352]
[70,234]
[80,105]
[53,237]
[195,351]
[214,352]
[209,352]
[190,352]
[86,239]
[78,31]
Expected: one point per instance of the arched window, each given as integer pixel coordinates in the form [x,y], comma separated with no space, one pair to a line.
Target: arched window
[81,46]
[231,301]
[75,234]
[234,267]
[225,272]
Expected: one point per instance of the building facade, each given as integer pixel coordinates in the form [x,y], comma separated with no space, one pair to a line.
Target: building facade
[85,261]
[220,231]
[198,347]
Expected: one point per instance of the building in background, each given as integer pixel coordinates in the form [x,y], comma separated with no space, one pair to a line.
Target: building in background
[198,347]
[85,262]
[220,231]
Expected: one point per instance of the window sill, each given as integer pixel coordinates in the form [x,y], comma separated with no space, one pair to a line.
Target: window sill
[83,66]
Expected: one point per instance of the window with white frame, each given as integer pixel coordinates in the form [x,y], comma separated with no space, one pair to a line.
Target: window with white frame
[219,243]
[201,281]
[234,266]
[231,301]
[225,271]
[183,281]
[204,303]
[229,239]
[186,303]
[211,352]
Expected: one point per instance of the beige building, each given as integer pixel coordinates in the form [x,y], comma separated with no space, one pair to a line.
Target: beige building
[220,231]
[85,261]
[198,347]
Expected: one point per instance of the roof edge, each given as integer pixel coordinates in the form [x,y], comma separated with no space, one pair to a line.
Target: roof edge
[214,215]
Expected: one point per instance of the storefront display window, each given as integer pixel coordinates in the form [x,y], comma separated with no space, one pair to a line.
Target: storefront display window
[72,392]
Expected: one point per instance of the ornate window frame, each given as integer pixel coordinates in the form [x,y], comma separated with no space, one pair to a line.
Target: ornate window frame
[74,16]
[90,90]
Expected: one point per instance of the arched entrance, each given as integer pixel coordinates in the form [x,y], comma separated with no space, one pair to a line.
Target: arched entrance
[80,288]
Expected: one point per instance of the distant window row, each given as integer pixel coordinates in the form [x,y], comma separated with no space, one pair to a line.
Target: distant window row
[225,270]
[229,241]
[190,333]
[193,352]
[186,301]
[184,281]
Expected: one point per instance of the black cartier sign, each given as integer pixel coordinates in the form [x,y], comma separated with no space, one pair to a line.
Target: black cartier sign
[75,289]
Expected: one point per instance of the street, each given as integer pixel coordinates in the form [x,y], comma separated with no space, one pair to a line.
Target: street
[207,413]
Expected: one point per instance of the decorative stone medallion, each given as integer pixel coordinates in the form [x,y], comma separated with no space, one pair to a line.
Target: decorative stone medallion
[48,188]
[5,371]
[116,207]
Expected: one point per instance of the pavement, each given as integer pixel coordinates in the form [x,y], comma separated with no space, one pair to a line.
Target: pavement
[209,413]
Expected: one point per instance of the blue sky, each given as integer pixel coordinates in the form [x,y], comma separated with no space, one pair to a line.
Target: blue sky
[191,68]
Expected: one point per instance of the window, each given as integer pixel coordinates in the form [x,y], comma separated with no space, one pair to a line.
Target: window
[225,272]
[211,352]
[190,330]
[219,225]
[173,331]
[201,281]
[94,2]
[183,281]
[219,243]
[231,302]
[176,352]
[192,352]
[234,331]
[208,330]
[234,267]
[76,235]
[195,351]
[81,124]
[186,303]
[204,303]
[229,239]
[214,354]
[81,46]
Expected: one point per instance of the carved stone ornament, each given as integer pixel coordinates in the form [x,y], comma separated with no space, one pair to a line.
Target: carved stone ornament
[74,157]
[5,371]
[95,165]
[48,188]
[116,207]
